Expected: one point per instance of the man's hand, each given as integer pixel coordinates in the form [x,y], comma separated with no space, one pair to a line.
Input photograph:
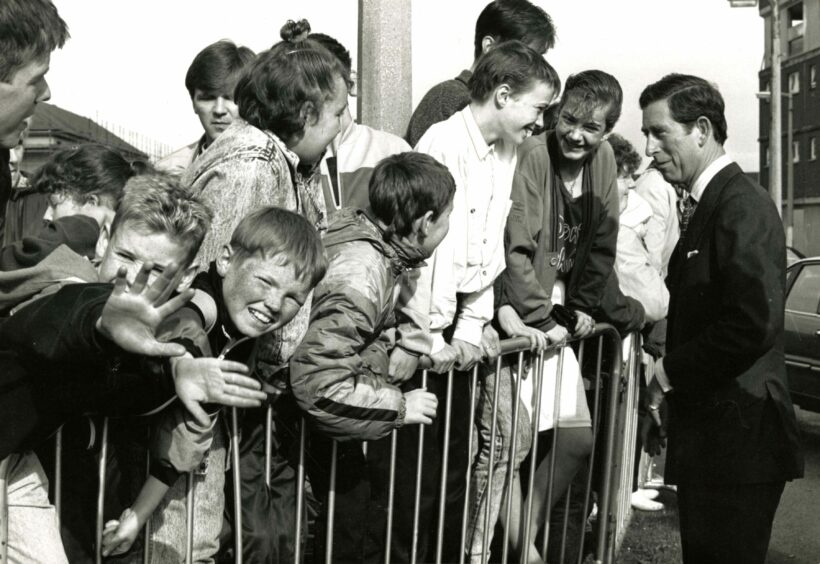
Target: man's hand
[513,326]
[654,399]
[420,407]
[490,343]
[210,380]
[444,360]
[585,325]
[131,316]
[402,365]
[468,354]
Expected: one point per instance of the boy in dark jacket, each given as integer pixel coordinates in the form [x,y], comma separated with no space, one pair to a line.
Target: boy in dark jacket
[339,373]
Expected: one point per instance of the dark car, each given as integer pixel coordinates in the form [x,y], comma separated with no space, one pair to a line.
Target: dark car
[803,332]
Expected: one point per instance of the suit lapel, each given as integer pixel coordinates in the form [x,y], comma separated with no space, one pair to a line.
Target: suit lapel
[700,219]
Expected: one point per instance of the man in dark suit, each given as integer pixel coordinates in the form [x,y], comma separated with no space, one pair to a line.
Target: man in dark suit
[733,440]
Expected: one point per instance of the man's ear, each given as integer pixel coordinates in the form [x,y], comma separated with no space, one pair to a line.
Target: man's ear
[223,261]
[102,241]
[487,43]
[704,127]
[308,113]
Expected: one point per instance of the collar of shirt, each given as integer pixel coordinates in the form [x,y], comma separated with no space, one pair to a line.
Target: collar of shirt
[707,175]
[482,150]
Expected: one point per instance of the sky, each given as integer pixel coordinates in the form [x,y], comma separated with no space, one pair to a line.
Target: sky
[125,63]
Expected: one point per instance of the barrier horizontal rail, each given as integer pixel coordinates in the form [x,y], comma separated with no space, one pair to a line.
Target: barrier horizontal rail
[604,334]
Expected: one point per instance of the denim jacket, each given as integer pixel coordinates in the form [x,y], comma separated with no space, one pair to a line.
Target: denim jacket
[243,170]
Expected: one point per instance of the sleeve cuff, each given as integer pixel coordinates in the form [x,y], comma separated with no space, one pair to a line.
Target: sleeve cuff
[438,342]
[469,331]
[662,378]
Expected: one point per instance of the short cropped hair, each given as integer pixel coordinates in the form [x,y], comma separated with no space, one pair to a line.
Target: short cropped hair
[592,89]
[85,172]
[157,203]
[278,233]
[29,30]
[405,186]
[271,94]
[627,159]
[513,19]
[216,68]
[689,97]
[512,63]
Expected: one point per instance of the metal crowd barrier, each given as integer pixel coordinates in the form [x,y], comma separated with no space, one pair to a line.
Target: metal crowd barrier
[616,387]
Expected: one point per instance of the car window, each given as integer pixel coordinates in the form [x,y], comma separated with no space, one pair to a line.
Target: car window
[805,293]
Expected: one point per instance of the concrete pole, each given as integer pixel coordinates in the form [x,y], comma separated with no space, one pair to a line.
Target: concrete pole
[790,174]
[775,137]
[385,64]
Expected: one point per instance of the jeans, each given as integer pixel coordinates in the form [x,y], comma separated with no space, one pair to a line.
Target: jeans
[481,480]
[33,532]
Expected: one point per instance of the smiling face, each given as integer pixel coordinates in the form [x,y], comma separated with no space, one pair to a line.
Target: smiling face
[524,112]
[216,111]
[580,132]
[322,128]
[19,98]
[260,293]
[672,145]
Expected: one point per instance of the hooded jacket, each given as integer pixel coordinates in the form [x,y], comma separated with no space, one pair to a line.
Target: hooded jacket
[339,373]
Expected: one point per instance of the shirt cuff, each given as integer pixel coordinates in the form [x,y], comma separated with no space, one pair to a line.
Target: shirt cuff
[469,331]
[661,377]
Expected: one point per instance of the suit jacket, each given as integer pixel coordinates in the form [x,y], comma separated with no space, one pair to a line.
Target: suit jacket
[731,418]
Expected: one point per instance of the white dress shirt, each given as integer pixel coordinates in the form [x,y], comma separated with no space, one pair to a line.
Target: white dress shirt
[471,256]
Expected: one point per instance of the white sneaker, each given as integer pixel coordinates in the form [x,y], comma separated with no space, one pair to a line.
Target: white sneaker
[647,493]
[640,502]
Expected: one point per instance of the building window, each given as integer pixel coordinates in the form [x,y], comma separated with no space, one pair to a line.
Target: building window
[812,76]
[794,15]
[795,151]
[794,82]
[813,149]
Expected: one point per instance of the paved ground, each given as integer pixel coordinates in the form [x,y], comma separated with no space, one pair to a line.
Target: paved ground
[653,537]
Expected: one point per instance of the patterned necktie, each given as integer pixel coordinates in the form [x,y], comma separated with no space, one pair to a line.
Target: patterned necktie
[687,210]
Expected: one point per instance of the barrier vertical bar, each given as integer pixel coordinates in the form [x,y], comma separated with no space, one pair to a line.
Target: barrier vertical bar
[485,540]
[417,500]
[237,486]
[189,518]
[391,492]
[58,475]
[268,442]
[556,413]
[300,493]
[4,511]
[331,503]
[101,493]
[606,488]
[596,424]
[146,530]
[539,382]
[516,390]
[466,513]
[444,467]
